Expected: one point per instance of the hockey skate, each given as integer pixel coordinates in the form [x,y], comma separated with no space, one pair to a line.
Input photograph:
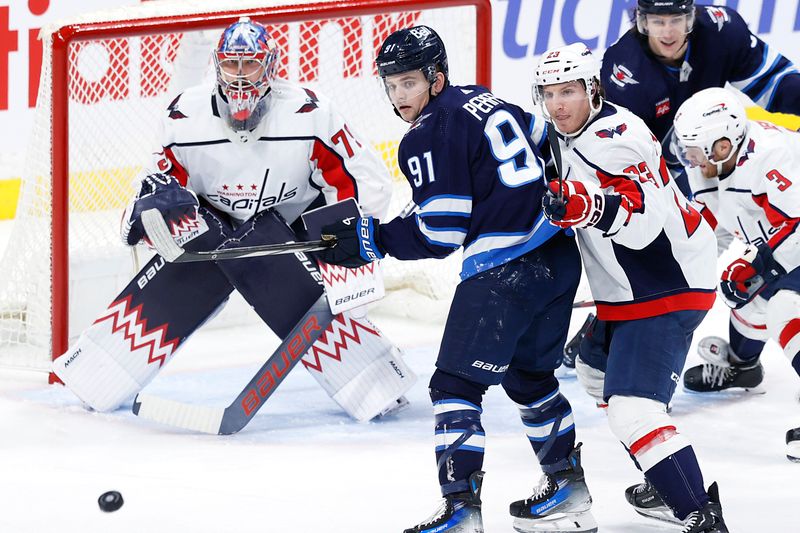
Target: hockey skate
[709,518]
[572,348]
[457,513]
[722,370]
[793,445]
[647,502]
[561,502]
[400,404]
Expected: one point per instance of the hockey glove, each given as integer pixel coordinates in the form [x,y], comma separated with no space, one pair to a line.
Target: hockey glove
[357,242]
[163,192]
[744,279]
[583,205]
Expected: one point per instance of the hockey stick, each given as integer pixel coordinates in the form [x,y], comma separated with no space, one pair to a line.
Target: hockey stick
[229,420]
[165,245]
[583,303]
[555,151]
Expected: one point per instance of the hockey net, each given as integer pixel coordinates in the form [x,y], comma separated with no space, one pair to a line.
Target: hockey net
[105,81]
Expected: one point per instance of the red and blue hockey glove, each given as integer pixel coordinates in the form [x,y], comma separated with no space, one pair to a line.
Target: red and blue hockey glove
[743,279]
[357,242]
[583,205]
[163,192]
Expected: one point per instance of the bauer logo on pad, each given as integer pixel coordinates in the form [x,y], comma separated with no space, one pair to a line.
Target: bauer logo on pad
[346,288]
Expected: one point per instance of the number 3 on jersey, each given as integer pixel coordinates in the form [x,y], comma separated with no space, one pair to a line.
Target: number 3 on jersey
[510,148]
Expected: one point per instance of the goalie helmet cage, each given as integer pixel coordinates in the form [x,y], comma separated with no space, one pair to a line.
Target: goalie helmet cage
[105,81]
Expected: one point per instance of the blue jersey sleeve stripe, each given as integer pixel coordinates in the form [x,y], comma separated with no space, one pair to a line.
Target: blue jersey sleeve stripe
[745,83]
[447,237]
[775,85]
[447,198]
[443,214]
[491,250]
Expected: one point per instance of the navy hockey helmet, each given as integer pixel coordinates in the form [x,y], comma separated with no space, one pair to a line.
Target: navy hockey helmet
[417,48]
[665,7]
[684,8]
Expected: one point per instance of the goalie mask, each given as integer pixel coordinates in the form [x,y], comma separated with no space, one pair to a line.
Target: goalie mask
[246,60]
[708,116]
[574,62]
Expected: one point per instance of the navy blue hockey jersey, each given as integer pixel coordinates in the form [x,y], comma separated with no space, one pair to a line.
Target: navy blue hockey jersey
[721,49]
[477,180]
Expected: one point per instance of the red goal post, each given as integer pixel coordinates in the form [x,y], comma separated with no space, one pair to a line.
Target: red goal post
[68,98]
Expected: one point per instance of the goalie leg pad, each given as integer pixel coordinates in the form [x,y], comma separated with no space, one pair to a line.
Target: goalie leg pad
[783,323]
[141,331]
[359,367]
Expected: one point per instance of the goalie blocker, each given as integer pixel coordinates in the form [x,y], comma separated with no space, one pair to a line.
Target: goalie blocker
[143,328]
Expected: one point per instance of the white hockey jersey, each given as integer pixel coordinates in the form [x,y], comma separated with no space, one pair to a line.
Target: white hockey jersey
[659,254]
[301,147]
[759,201]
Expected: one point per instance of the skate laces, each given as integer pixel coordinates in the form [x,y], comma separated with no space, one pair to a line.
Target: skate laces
[715,375]
[544,488]
[437,514]
[691,522]
[642,488]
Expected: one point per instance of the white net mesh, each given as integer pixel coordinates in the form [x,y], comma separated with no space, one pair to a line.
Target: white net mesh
[117,88]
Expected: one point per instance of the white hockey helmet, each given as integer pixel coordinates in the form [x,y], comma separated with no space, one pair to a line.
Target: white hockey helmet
[706,117]
[573,62]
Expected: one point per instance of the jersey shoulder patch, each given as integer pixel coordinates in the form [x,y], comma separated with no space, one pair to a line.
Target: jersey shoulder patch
[717,15]
[173,112]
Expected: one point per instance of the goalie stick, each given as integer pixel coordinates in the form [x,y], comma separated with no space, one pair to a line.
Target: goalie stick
[231,419]
[165,245]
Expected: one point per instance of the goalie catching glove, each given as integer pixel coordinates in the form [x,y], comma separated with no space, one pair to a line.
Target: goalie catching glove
[743,279]
[162,192]
[357,242]
[582,205]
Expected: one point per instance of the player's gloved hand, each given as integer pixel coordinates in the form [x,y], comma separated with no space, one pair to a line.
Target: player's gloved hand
[581,206]
[743,279]
[357,242]
[163,192]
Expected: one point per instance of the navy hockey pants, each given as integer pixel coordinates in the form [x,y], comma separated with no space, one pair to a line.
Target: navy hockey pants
[514,316]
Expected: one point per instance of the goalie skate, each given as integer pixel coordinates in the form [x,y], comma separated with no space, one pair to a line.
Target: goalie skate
[561,503]
[722,370]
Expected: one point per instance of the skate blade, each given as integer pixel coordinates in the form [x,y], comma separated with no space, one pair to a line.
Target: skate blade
[730,391]
[558,523]
[661,516]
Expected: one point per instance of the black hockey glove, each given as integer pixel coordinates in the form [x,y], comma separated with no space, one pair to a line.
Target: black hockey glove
[163,192]
[745,277]
[357,242]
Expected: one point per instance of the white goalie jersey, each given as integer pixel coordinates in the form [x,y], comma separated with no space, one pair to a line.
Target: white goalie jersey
[759,202]
[300,148]
[659,253]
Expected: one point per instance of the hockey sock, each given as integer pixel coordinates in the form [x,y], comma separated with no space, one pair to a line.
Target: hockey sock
[459,439]
[743,348]
[679,482]
[550,429]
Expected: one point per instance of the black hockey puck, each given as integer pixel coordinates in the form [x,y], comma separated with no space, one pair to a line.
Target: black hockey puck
[110,501]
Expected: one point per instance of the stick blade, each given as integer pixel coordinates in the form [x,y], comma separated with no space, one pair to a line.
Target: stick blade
[198,418]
